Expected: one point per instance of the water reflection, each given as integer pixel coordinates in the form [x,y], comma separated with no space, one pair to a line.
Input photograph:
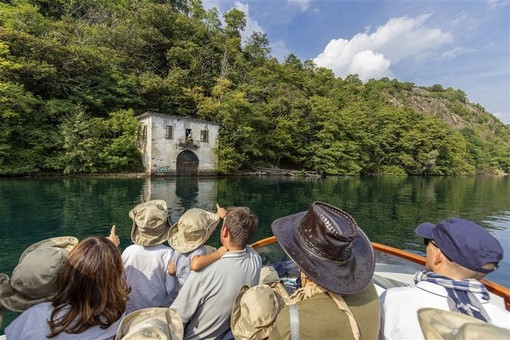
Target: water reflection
[182,193]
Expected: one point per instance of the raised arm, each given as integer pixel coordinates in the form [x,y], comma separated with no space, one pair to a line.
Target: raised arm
[199,262]
[220,212]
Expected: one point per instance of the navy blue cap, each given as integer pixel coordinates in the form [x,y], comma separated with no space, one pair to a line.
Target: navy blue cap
[464,242]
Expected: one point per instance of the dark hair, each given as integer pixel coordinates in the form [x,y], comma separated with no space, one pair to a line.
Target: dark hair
[91,288]
[241,223]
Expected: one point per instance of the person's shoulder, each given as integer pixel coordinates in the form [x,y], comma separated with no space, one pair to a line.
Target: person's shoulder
[163,248]
[251,252]
[40,308]
[30,318]
[131,249]
[413,294]
[199,251]
[399,294]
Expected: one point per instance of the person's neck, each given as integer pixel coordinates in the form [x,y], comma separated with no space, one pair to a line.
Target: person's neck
[449,274]
[231,247]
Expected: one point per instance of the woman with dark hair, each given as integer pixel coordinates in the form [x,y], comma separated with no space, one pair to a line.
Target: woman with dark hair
[90,298]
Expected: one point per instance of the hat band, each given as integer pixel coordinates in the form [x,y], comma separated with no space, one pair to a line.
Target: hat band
[341,258]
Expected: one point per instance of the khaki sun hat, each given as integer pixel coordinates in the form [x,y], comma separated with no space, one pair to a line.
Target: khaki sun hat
[151,323]
[254,312]
[269,276]
[34,278]
[150,223]
[192,230]
[446,325]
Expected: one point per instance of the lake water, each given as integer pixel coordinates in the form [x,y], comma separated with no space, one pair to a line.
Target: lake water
[388,209]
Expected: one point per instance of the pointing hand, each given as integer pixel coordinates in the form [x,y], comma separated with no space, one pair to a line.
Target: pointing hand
[113,236]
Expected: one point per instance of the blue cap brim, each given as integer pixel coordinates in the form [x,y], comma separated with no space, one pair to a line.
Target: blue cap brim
[425,230]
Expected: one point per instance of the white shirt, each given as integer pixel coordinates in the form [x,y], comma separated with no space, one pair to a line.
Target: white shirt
[33,324]
[399,309]
[147,275]
[205,301]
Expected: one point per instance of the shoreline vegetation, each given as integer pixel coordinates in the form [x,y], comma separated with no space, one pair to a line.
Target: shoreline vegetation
[269,172]
[76,75]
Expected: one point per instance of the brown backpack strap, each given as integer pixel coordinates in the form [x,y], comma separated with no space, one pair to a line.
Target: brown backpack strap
[342,305]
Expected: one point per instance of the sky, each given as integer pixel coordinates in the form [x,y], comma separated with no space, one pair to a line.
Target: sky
[464,44]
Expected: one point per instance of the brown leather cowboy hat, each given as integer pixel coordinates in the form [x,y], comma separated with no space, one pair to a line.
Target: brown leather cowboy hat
[329,247]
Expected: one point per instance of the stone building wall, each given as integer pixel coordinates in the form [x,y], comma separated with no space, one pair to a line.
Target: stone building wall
[168,140]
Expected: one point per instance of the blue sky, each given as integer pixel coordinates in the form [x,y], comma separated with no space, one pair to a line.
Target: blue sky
[464,44]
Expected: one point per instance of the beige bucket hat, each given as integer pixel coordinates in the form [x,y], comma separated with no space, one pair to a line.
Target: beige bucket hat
[254,312]
[269,276]
[192,230]
[151,323]
[34,278]
[446,325]
[150,223]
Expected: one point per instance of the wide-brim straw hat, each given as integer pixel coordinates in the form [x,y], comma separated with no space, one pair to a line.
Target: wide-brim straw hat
[447,325]
[151,323]
[254,312]
[192,230]
[150,223]
[34,279]
[329,247]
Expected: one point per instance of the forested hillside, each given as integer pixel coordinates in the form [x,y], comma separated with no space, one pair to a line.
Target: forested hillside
[74,74]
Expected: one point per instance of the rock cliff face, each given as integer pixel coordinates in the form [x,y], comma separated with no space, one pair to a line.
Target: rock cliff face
[451,107]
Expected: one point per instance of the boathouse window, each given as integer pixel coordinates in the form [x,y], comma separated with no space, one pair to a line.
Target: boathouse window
[144,132]
[204,136]
[188,135]
[169,132]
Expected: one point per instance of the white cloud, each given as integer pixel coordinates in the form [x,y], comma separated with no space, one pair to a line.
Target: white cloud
[497,4]
[367,64]
[251,24]
[371,55]
[279,50]
[456,51]
[463,17]
[302,4]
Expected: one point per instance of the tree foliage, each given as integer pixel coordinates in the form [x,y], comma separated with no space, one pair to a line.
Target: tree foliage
[74,74]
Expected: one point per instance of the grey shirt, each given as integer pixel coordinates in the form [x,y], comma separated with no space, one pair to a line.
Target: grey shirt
[33,324]
[205,301]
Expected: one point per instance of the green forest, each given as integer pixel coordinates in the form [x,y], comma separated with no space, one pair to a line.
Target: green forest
[74,74]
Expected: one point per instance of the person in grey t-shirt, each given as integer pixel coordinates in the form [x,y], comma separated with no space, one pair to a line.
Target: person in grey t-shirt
[205,301]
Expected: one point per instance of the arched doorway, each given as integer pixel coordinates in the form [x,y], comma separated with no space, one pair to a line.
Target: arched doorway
[187,164]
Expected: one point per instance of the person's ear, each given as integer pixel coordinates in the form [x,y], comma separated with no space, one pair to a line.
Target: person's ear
[224,232]
[438,257]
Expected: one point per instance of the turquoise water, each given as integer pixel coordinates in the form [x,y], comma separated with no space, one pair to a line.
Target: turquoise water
[387,208]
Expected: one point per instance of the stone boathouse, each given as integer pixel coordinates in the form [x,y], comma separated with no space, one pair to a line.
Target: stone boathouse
[174,145]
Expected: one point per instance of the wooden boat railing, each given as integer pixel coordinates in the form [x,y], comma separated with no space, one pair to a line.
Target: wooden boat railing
[492,287]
